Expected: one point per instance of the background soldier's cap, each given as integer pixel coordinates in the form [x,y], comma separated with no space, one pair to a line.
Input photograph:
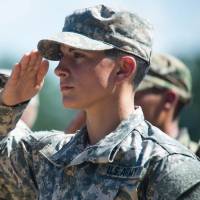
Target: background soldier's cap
[168,72]
[4,75]
[101,28]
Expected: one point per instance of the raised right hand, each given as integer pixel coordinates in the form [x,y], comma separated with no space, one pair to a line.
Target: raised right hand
[26,80]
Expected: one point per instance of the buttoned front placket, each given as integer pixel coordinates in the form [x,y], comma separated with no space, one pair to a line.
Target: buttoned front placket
[81,163]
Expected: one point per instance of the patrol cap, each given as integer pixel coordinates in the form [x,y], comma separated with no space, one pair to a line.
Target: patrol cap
[168,72]
[101,28]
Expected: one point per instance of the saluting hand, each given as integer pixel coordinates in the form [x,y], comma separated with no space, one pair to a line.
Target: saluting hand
[26,80]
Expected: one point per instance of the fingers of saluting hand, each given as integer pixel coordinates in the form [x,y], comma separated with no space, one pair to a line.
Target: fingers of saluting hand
[26,80]
[25,61]
[31,61]
[42,71]
[15,73]
[31,65]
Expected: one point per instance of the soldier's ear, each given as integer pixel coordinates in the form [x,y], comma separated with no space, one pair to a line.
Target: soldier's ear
[126,69]
[171,99]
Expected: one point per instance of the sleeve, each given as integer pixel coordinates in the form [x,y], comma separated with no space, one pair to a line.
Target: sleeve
[171,177]
[191,194]
[17,179]
[20,162]
[9,116]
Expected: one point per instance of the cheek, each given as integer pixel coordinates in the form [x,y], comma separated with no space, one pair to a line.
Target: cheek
[105,74]
[140,100]
[99,74]
[95,80]
[103,80]
[150,106]
[96,87]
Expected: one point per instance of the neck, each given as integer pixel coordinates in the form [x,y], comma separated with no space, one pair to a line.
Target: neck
[104,118]
[171,128]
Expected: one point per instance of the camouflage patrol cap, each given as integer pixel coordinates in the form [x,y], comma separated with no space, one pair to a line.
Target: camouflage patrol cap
[101,28]
[168,72]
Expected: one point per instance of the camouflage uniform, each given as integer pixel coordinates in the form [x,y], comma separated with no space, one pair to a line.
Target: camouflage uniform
[135,161]
[167,72]
[184,138]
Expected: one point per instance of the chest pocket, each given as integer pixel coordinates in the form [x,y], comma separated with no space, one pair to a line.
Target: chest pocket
[123,194]
[127,179]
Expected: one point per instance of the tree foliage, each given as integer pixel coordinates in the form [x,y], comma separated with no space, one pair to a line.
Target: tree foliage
[190,116]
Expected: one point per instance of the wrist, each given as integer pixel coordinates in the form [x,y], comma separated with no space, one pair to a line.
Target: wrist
[1,100]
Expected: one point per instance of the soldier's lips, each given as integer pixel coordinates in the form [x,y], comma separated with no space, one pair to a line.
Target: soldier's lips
[65,87]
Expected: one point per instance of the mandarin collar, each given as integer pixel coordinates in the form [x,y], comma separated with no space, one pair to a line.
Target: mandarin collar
[78,151]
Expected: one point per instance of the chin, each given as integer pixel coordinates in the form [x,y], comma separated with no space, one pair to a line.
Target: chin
[71,104]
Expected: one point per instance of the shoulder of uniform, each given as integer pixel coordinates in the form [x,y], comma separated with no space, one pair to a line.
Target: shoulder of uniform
[198,150]
[51,138]
[184,138]
[167,143]
[174,175]
[147,143]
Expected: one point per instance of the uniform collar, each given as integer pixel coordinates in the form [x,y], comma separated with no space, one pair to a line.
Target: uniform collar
[77,150]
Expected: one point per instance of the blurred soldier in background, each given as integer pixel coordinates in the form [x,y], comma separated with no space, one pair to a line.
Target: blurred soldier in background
[163,93]
[29,115]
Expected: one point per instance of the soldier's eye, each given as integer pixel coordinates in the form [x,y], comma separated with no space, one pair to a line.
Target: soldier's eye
[60,55]
[78,55]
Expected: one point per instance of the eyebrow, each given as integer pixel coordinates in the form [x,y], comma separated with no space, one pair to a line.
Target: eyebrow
[71,49]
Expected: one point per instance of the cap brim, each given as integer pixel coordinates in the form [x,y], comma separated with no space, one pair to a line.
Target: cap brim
[50,48]
[155,82]
[144,85]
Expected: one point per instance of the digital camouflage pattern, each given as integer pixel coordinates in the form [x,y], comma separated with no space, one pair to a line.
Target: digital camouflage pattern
[101,28]
[135,161]
[6,190]
[184,138]
[168,72]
